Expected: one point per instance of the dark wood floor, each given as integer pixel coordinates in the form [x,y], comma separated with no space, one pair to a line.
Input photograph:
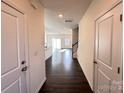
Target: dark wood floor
[64,75]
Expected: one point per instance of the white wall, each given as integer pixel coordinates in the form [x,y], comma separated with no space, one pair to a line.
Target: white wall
[48,49]
[49,37]
[35,28]
[48,53]
[74,35]
[86,36]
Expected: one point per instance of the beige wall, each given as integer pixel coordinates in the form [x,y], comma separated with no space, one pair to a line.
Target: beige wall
[35,30]
[86,36]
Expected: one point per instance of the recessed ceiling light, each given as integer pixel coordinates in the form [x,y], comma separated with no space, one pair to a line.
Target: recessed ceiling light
[60,16]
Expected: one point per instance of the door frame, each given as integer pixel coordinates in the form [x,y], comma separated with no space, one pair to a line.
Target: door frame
[26,41]
[94,63]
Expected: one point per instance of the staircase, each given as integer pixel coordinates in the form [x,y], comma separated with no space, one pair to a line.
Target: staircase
[74,50]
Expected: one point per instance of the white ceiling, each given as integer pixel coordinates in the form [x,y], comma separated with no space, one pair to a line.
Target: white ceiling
[71,9]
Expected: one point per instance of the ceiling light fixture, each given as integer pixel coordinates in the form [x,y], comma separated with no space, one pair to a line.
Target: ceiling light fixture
[60,16]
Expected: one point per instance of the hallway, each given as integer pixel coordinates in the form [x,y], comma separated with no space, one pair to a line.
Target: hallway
[61,46]
[64,75]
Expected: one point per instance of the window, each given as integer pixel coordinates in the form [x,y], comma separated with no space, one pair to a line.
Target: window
[67,42]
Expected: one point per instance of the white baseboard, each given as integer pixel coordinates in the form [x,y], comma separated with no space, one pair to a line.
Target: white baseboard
[85,74]
[41,84]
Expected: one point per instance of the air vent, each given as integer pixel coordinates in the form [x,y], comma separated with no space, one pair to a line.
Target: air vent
[68,20]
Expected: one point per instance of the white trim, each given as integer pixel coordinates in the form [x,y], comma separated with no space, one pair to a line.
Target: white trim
[13,5]
[108,9]
[41,84]
[27,54]
[91,87]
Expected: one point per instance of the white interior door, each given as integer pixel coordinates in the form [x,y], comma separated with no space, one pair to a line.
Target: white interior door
[108,55]
[13,78]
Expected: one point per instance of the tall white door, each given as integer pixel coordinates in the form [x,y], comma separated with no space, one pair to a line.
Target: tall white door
[13,78]
[108,54]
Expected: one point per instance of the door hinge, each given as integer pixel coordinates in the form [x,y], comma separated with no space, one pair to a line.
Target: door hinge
[118,70]
[121,17]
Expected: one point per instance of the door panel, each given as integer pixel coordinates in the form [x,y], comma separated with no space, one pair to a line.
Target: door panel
[10,52]
[13,88]
[13,80]
[104,40]
[104,84]
[108,54]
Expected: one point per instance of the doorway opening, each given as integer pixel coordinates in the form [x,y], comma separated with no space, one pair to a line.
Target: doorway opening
[56,44]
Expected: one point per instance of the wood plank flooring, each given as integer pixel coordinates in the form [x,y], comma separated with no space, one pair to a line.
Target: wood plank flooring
[64,75]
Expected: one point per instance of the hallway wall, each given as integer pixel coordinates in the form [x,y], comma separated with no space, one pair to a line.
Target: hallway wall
[75,35]
[35,28]
[86,36]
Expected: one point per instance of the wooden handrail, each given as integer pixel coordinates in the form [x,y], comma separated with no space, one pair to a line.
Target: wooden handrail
[75,43]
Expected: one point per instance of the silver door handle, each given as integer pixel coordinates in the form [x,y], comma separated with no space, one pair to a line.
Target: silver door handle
[24,68]
[23,62]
